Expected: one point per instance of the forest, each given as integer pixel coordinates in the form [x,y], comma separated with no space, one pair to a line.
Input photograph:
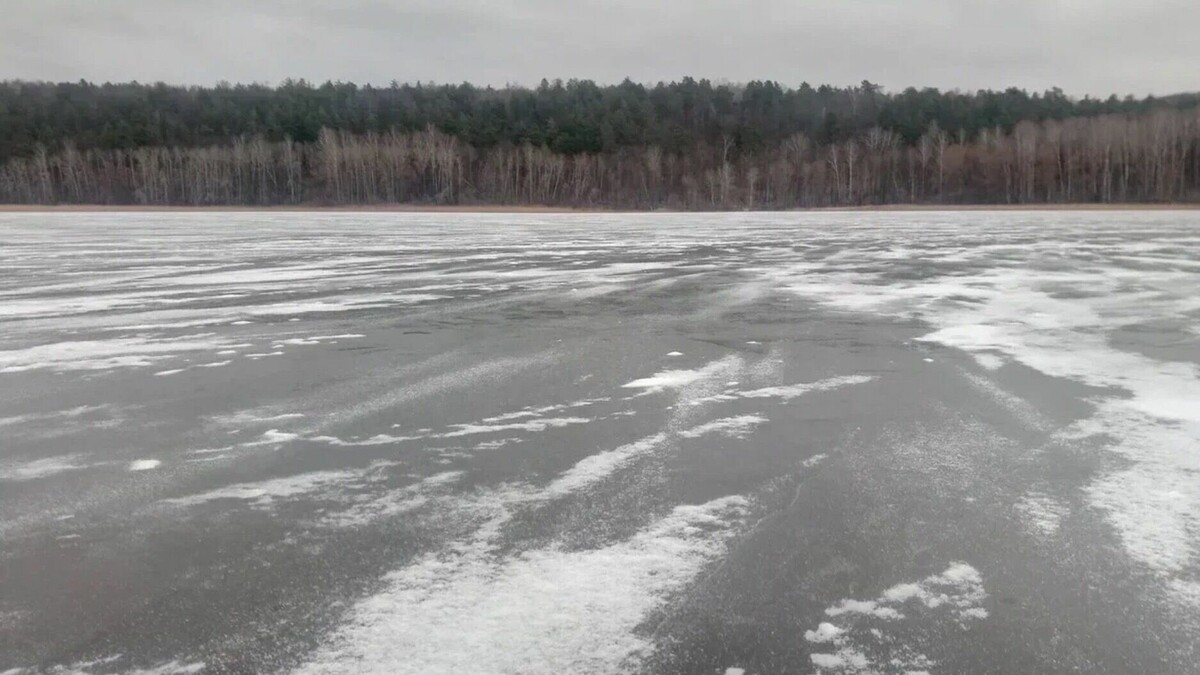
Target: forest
[690,144]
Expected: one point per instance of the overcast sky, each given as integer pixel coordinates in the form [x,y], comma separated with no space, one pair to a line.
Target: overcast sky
[1084,46]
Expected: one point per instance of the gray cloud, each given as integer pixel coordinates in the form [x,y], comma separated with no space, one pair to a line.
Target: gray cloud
[1085,46]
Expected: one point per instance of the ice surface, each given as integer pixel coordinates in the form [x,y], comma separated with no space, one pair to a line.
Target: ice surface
[1002,301]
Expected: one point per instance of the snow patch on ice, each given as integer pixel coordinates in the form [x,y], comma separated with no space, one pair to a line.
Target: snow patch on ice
[475,609]
[170,668]
[542,410]
[368,508]
[825,632]
[262,416]
[105,665]
[789,392]
[274,437]
[39,468]
[263,493]
[814,460]
[678,379]
[103,354]
[989,361]
[1023,410]
[862,645]
[1187,590]
[1041,513]
[595,468]
[851,606]
[144,464]
[457,431]
[740,426]
[535,425]
[844,659]
[69,413]
[319,339]
[492,445]
[378,439]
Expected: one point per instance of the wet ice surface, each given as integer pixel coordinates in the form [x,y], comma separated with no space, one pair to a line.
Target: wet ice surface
[834,443]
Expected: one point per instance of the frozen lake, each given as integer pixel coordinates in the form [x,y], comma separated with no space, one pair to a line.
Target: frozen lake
[665,443]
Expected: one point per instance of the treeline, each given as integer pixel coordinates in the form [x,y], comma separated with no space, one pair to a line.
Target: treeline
[568,118]
[1149,156]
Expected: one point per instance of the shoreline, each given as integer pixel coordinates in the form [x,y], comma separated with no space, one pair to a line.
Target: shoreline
[538,209]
